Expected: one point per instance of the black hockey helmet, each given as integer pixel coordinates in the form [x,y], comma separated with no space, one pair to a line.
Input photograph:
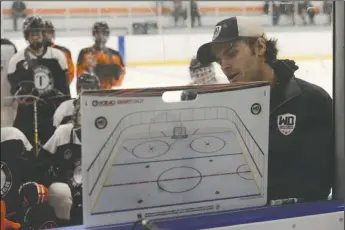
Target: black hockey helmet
[100,26]
[34,24]
[87,81]
[201,73]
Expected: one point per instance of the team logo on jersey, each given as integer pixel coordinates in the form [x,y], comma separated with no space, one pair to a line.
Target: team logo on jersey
[101,122]
[67,154]
[6,179]
[43,80]
[286,123]
[255,109]
[216,32]
[76,178]
[49,225]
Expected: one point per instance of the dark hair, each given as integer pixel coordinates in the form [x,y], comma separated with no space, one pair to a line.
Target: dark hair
[271,48]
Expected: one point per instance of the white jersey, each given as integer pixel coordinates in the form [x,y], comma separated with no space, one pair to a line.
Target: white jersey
[65,148]
[14,134]
[63,113]
[8,113]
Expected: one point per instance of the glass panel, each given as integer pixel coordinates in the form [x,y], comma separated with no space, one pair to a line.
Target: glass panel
[155,43]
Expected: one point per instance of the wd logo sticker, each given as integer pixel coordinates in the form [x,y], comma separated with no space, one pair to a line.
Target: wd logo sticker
[216,32]
[286,123]
[101,122]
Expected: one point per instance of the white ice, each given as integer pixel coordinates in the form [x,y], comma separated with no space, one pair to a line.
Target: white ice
[318,72]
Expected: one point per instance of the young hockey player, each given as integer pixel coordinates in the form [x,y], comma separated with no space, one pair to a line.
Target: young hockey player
[8,110]
[199,75]
[64,112]
[38,71]
[50,36]
[62,153]
[301,145]
[103,61]
[16,167]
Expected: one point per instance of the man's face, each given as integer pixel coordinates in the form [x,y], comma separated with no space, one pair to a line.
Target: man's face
[239,62]
[35,36]
[101,37]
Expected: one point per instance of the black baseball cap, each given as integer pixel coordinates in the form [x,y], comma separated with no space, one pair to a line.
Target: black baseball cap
[228,30]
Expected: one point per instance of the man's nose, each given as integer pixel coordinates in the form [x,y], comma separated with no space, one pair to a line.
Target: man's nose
[226,65]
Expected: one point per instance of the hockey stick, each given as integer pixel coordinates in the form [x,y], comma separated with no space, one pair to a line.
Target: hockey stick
[35,113]
[35,100]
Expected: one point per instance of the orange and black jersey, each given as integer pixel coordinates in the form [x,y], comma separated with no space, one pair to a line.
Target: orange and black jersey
[70,64]
[93,59]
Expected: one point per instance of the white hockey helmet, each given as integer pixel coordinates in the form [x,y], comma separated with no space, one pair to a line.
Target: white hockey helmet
[201,74]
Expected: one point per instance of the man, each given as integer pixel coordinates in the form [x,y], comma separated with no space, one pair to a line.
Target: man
[41,72]
[50,37]
[18,11]
[16,165]
[65,111]
[104,62]
[8,110]
[62,154]
[301,154]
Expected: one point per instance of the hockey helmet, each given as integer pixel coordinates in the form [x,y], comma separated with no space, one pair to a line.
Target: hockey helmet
[34,24]
[87,81]
[50,27]
[100,28]
[200,73]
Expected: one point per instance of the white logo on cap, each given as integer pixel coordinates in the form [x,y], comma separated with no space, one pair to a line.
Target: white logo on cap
[216,32]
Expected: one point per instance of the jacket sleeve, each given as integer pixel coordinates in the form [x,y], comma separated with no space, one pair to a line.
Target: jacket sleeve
[319,143]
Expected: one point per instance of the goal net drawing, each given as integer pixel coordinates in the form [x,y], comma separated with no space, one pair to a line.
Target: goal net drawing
[97,170]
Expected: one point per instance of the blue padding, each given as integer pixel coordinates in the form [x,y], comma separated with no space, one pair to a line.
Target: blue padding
[238,217]
[121,47]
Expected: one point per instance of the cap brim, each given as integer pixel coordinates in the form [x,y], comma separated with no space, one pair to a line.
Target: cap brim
[205,53]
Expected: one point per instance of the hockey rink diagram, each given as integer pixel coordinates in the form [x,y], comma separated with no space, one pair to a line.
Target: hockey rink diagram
[173,162]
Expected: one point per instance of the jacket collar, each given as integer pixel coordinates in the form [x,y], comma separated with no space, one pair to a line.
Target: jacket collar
[286,87]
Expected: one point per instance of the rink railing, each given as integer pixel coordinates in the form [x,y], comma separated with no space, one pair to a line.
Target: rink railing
[97,170]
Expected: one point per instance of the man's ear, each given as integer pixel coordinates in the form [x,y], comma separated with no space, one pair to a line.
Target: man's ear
[261,47]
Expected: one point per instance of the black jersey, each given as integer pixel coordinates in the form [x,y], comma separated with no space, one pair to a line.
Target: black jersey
[16,167]
[47,75]
[39,216]
[47,72]
[64,148]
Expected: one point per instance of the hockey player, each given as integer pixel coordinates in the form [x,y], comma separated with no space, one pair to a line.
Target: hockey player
[200,75]
[8,106]
[35,211]
[62,153]
[301,145]
[40,71]
[16,167]
[64,112]
[50,36]
[104,62]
